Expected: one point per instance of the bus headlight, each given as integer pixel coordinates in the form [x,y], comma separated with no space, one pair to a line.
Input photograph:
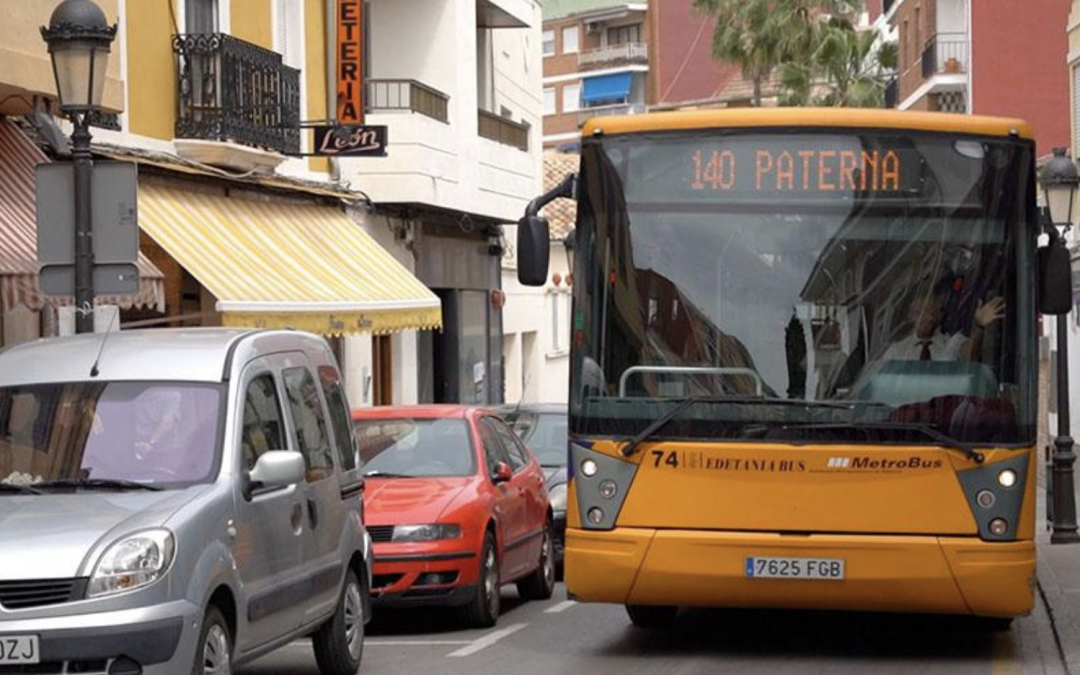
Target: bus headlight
[595,515]
[589,468]
[608,489]
[998,527]
[985,499]
[1007,478]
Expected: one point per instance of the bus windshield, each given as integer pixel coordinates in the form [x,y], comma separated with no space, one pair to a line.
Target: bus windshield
[841,286]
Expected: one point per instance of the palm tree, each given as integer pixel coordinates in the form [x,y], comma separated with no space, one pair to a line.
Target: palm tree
[760,35]
[846,68]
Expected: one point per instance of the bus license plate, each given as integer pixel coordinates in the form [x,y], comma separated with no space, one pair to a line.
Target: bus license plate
[813,569]
[19,649]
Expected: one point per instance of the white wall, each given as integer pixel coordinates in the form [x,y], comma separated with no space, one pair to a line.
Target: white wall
[544,375]
[951,16]
[449,165]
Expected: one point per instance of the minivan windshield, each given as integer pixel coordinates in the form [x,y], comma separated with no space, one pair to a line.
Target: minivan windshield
[104,434]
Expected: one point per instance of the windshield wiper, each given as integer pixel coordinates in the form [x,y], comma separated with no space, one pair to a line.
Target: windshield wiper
[19,489]
[941,439]
[98,484]
[631,446]
[375,473]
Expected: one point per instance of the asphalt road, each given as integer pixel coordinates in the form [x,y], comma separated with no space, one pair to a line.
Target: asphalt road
[563,637]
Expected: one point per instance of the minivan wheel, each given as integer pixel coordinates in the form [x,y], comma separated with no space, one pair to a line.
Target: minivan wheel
[339,643]
[214,653]
[541,584]
[483,611]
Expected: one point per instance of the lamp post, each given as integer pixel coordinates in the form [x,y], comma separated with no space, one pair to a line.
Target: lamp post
[79,38]
[1059,180]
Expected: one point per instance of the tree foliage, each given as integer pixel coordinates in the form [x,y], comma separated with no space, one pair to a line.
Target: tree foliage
[813,43]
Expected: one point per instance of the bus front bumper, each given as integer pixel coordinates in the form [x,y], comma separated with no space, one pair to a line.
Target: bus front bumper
[902,573]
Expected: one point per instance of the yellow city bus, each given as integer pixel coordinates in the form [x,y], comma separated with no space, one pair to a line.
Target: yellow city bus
[803,361]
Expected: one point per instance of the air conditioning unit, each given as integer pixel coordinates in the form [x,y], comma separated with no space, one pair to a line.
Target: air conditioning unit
[593,26]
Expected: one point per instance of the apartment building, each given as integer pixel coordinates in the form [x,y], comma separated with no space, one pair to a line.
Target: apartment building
[987,58]
[212,99]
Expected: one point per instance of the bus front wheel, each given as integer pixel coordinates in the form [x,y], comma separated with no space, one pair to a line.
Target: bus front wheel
[648,616]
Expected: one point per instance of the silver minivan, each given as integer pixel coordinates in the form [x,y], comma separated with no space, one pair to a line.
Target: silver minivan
[178,501]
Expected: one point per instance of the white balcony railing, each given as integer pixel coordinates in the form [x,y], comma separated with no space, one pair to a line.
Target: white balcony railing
[629,52]
[608,110]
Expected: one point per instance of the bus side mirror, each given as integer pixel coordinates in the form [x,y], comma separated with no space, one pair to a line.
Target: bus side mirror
[1055,279]
[533,250]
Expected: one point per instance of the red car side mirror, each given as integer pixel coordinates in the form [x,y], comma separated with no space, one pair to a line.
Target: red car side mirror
[502,473]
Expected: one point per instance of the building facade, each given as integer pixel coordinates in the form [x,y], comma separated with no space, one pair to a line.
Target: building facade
[394,258]
[985,58]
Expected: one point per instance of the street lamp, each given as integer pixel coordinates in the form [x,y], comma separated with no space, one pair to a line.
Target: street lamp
[79,37]
[1059,180]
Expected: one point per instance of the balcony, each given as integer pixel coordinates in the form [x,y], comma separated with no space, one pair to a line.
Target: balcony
[628,53]
[892,93]
[585,114]
[945,54]
[407,96]
[503,130]
[232,91]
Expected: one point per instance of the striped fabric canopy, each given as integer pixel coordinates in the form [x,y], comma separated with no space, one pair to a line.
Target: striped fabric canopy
[286,264]
[18,233]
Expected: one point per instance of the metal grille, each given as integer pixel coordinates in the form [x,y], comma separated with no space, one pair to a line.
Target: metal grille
[232,90]
[381,533]
[40,592]
[951,101]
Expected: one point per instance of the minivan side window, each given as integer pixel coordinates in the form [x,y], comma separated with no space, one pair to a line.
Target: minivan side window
[263,429]
[307,413]
[519,457]
[339,417]
[493,450]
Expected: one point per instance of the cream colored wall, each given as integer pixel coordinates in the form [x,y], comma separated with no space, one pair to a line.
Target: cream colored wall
[315,70]
[250,21]
[151,72]
[25,68]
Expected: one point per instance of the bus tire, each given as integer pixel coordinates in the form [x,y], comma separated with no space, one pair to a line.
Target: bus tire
[648,616]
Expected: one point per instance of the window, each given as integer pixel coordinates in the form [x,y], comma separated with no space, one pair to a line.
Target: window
[200,16]
[571,97]
[412,447]
[339,417]
[519,456]
[621,35]
[493,449]
[570,40]
[550,107]
[310,425]
[549,43]
[263,429]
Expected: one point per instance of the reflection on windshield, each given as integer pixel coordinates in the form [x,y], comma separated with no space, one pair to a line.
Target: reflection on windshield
[150,433]
[543,433]
[408,447]
[905,305]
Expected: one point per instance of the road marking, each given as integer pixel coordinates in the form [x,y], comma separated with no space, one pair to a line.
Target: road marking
[561,607]
[485,641]
[398,643]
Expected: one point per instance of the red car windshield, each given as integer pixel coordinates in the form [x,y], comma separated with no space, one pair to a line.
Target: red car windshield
[413,448]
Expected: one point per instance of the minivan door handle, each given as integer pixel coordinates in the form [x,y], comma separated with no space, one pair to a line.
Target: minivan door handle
[313,513]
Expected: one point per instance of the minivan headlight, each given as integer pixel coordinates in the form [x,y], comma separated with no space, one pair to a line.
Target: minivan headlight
[133,562]
[557,497]
[415,533]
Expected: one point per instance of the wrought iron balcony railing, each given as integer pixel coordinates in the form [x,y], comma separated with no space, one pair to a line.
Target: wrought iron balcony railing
[232,90]
[627,52]
[409,96]
[503,130]
[945,53]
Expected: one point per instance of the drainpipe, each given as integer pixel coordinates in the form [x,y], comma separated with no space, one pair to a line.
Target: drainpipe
[331,79]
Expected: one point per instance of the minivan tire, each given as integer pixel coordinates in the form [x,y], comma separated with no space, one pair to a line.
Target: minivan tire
[339,643]
[483,611]
[540,584]
[215,644]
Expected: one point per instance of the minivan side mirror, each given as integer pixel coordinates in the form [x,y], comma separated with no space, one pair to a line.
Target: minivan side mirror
[533,250]
[502,473]
[277,469]
[1055,278]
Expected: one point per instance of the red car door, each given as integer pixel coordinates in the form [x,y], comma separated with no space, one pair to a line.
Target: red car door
[529,483]
[507,502]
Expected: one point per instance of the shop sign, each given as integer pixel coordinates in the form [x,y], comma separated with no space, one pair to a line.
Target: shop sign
[350,141]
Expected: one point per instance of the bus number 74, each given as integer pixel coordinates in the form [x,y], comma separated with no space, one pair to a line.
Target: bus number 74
[672,458]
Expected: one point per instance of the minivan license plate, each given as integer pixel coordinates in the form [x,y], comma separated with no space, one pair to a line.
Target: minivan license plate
[813,569]
[19,649]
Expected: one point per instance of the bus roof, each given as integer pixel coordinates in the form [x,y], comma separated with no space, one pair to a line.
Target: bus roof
[808,117]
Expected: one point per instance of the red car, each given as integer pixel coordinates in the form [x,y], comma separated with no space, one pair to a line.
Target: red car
[456,506]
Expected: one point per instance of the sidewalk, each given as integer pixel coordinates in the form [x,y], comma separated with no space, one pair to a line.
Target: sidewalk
[1059,584]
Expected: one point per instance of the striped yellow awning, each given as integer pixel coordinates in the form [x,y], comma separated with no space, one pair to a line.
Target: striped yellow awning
[278,264]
